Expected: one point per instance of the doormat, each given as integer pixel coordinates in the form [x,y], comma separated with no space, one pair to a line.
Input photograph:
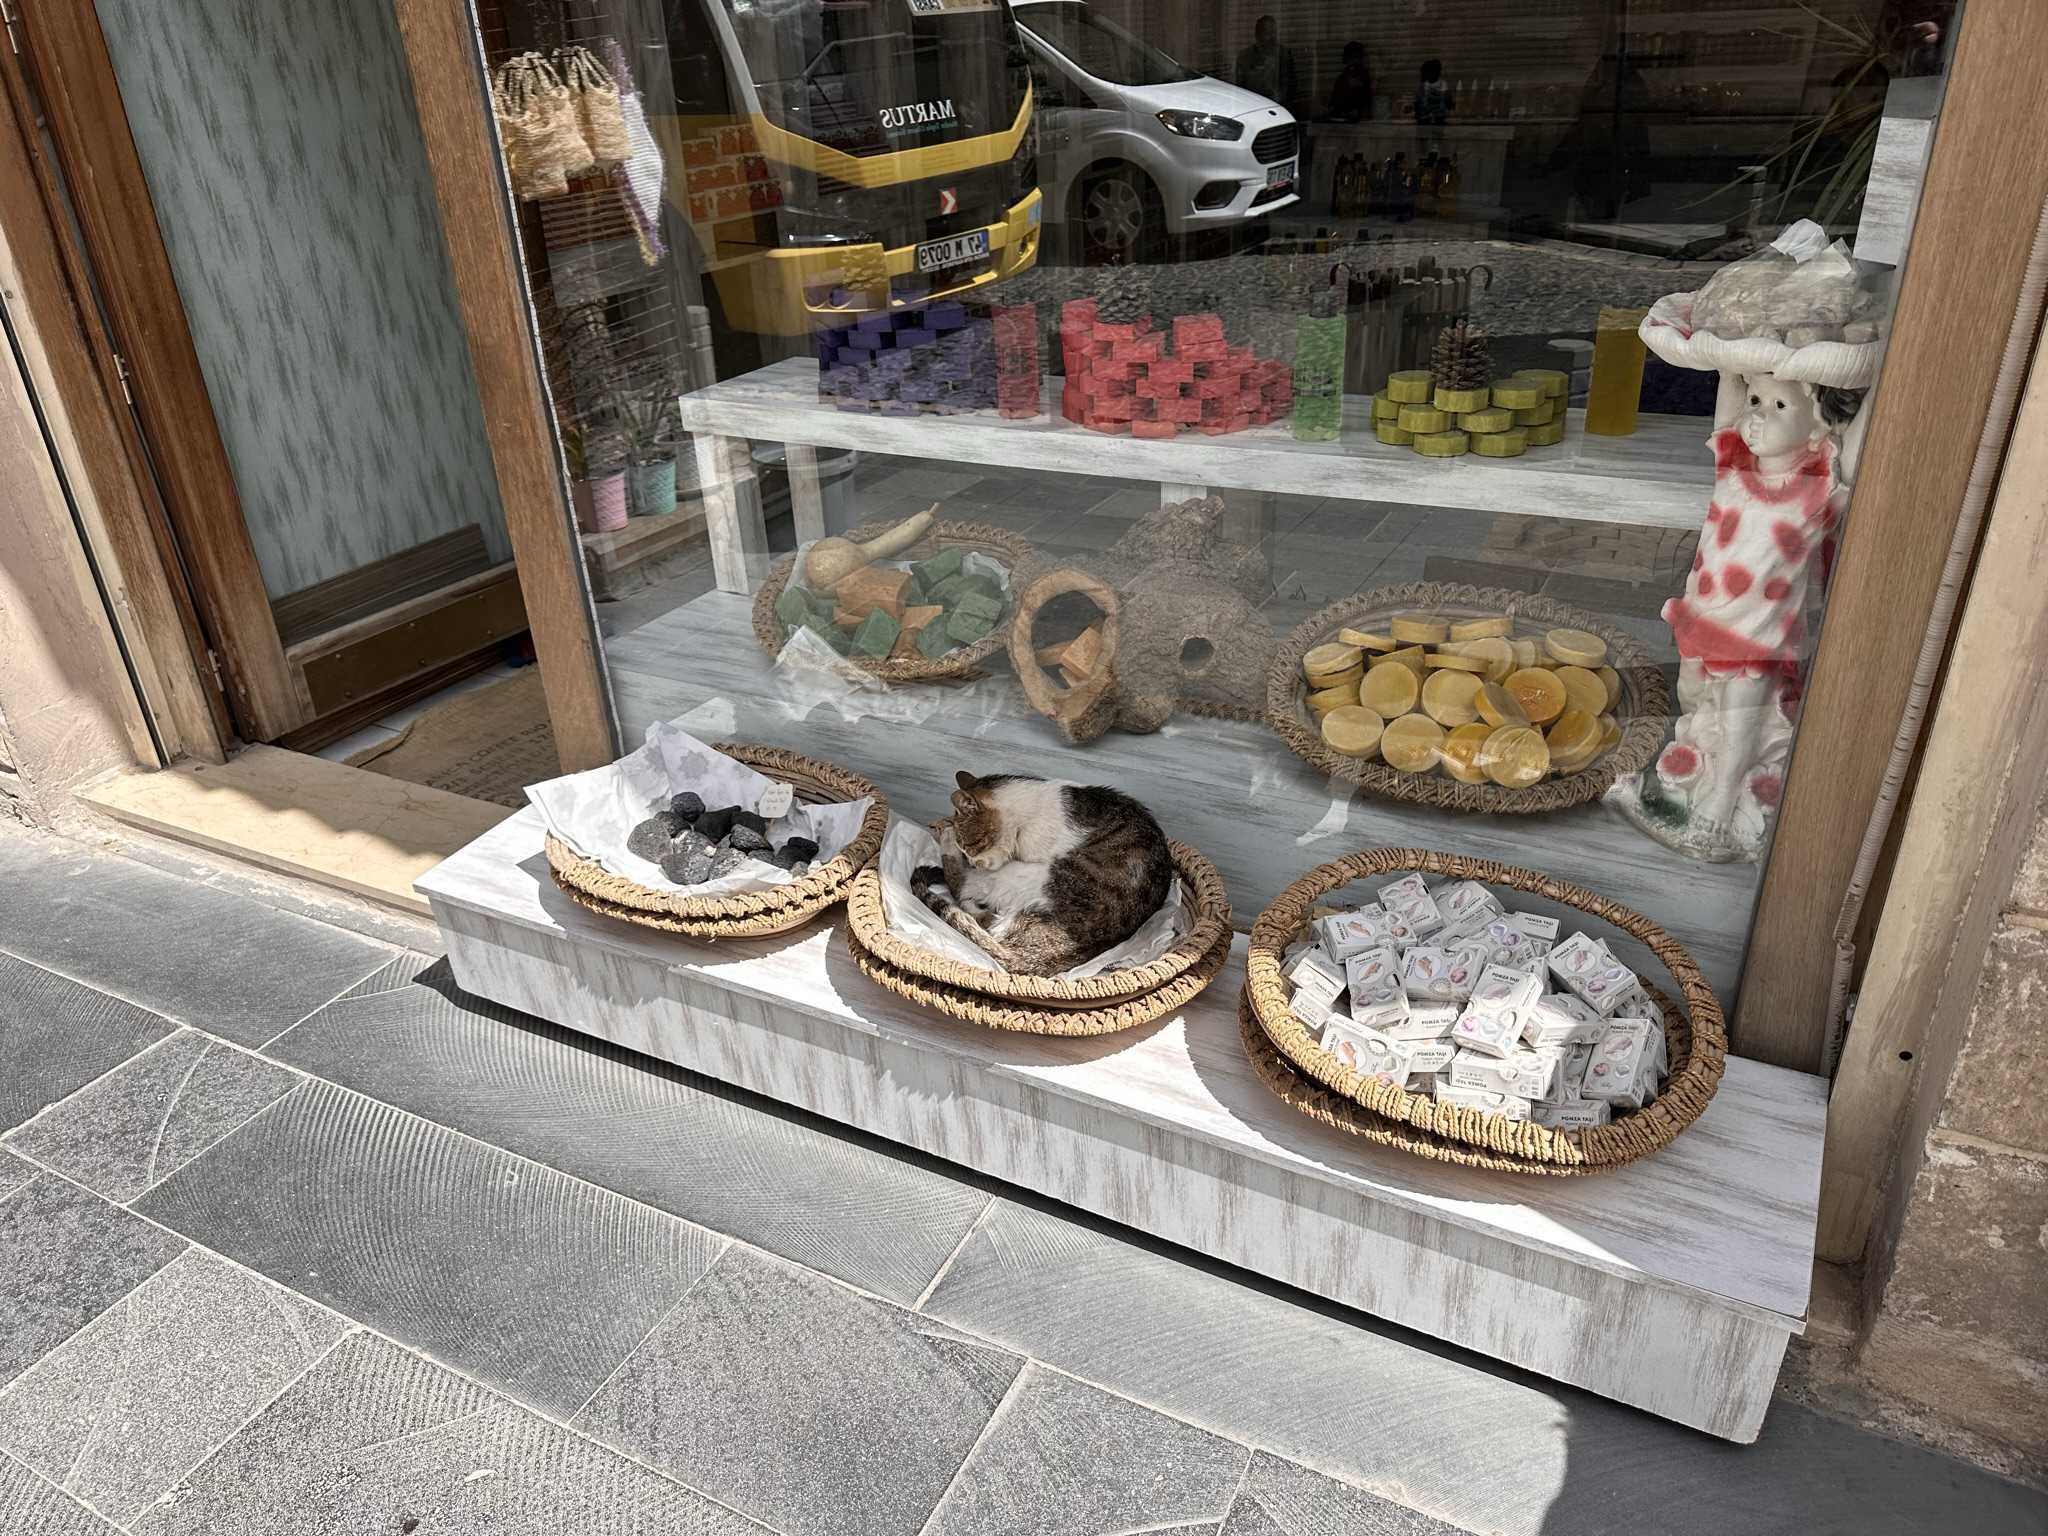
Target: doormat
[488,744]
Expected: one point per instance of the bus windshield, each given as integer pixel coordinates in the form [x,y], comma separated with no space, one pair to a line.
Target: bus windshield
[1102,48]
[868,77]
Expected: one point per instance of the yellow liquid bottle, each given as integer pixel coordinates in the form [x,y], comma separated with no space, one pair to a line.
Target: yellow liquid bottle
[1616,389]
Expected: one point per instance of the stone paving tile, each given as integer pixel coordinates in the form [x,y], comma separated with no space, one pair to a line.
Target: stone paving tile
[153,1114]
[375,1440]
[816,1410]
[32,1507]
[122,1409]
[1061,1458]
[65,1257]
[57,1035]
[669,1138]
[197,954]
[14,1173]
[1280,1498]
[517,1274]
[1423,1424]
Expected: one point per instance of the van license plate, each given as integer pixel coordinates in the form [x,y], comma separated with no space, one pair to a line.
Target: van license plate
[953,251]
[1281,174]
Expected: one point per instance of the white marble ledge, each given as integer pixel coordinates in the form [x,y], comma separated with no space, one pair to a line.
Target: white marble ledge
[1660,475]
[1726,1212]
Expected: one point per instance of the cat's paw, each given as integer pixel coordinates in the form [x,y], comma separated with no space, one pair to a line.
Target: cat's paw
[928,885]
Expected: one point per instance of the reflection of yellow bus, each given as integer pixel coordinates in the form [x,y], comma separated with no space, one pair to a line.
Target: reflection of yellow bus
[838,156]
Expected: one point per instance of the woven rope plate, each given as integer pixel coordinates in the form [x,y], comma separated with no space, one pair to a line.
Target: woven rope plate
[958,665]
[1693,1031]
[746,914]
[1202,893]
[1644,709]
[1042,1018]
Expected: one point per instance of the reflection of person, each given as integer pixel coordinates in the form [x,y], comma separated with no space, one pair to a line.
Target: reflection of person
[1433,99]
[1265,66]
[1351,91]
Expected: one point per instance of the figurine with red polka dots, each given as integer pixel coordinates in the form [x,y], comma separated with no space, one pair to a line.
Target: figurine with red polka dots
[1795,338]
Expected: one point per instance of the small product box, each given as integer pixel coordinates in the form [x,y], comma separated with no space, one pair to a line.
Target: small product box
[1593,975]
[1500,940]
[1426,1058]
[1621,1066]
[1465,904]
[1525,1074]
[1366,1050]
[1345,934]
[1499,1006]
[1428,1021]
[1559,1018]
[1426,975]
[1542,931]
[1572,1114]
[1377,998]
[1503,1104]
[1570,1072]
[1413,911]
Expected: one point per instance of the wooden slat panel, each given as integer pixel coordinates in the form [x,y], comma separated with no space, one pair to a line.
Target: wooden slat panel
[1961,278]
[455,115]
[368,589]
[368,657]
[112,203]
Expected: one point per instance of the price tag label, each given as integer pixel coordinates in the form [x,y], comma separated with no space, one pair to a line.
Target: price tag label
[775,801]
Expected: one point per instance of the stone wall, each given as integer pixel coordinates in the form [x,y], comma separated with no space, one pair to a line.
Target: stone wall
[1961,1322]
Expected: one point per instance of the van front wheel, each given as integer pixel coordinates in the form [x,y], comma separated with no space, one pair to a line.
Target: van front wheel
[1121,216]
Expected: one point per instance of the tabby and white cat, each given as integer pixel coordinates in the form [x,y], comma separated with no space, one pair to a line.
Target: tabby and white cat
[1043,874]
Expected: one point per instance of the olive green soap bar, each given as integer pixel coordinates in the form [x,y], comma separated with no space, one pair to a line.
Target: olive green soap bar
[1492,419]
[934,640]
[929,573]
[792,608]
[1390,434]
[1421,418]
[979,605]
[1500,445]
[876,635]
[963,626]
[1385,407]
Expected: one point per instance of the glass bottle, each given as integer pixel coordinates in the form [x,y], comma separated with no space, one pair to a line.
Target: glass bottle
[1616,391]
[1319,368]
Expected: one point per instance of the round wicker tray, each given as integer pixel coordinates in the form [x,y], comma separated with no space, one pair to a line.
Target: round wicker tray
[1103,1018]
[960,665]
[748,914]
[1202,892]
[1644,710]
[1695,1035]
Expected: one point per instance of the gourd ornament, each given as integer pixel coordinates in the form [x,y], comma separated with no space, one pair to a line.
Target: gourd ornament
[830,561]
[1789,420]
[1166,619]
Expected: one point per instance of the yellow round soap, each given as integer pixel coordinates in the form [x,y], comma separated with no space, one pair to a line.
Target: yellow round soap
[1455,662]
[1390,689]
[1441,445]
[1497,628]
[1418,629]
[1385,407]
[1499,707]
[1511,444]
[1459,401]
[1527,654]
[1610,734]
[1575,647]
[1353,731]
[1367,641]
[1555,385]
[1323,700]
[1461,751]
[1574,741]
[1422,418]
[1412,743]
[1583,690]
[1539,693]
[1537,415]
[1497,655]
[1515,756]
[1410,656]
[1410,385]
[1517,394]
[1392,435]
[1549,435]
[1611,681]
[1493,419]
[1447,698]
[1331,656]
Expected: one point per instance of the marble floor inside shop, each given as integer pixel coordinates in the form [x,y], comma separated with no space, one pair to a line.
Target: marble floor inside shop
[296,1237]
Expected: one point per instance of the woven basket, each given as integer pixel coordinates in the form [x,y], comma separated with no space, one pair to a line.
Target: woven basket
[993,1012]
[1644,708]
[962,664]
[747,914]
[1453,1133]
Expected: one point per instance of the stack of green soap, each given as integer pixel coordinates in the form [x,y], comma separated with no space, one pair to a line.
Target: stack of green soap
[1318,378]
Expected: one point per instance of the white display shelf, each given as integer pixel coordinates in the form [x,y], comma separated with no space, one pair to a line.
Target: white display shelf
[1660,476]
[1672,1284]
[1231,788]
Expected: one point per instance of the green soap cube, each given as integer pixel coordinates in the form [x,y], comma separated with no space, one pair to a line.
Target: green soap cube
[987,586]
[877,633]
[913,595]
[792,607]
[967,627]
[929,573]
[944,592]
[831,634]
[978,605]
[933,641]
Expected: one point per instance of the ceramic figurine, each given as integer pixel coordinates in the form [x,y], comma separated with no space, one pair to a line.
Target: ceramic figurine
[1788,424]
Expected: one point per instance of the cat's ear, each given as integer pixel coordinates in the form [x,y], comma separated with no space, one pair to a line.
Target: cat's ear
[965,803]
[966,780]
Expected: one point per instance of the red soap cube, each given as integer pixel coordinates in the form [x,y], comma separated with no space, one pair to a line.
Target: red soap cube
[1114,330]
[1189,411]
[1078,309]
[1197,328]
[1173,369]
[1203,351]
[1120,409]
[1153,429]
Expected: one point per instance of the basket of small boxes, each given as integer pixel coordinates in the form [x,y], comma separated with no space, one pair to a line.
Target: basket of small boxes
[1467,698]
[1462,1013]
[927,608]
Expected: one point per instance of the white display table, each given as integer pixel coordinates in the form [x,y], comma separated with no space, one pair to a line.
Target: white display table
[1672,1284]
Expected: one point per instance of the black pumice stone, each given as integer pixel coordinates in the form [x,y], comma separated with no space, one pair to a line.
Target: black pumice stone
[651,838]
[689,805]
[801,848]
[753,821]
[715,824]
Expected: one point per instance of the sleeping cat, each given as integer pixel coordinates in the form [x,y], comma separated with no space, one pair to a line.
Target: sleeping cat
[1043,874]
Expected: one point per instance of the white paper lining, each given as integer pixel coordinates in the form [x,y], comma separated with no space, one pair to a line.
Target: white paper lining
[908,846]
[594,812]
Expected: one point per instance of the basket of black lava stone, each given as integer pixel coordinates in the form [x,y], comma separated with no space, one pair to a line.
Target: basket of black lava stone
[694,844]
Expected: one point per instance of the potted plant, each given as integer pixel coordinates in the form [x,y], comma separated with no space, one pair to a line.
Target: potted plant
[650,420]
[597,477]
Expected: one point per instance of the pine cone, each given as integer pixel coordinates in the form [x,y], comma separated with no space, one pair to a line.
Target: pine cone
[1126,296]
[1461,358]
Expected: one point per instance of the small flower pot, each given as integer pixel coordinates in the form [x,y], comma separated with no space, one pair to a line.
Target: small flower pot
[654,488]
[605,497]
